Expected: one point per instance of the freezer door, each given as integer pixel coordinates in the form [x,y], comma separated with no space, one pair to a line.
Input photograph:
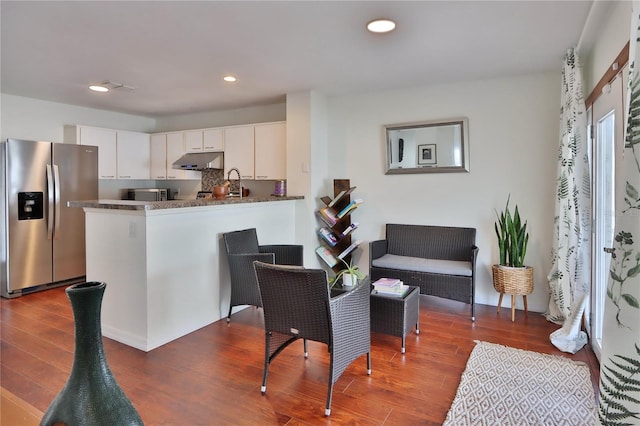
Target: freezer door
[29,251]
[75,170]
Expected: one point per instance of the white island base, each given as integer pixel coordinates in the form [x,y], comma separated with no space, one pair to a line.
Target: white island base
[166,269]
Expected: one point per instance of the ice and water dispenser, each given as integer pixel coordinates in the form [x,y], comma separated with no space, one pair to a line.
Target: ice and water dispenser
[30,205]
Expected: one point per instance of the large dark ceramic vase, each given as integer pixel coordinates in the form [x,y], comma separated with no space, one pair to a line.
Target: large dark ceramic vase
[91,396]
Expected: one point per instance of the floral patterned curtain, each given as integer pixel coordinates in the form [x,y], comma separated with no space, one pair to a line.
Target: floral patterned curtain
[620,359]
[569,277]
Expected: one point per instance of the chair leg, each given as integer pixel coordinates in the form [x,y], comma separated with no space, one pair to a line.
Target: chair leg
[327,410]
[369,363]
[402,348]
[263,388]
[306,350]
[229,314]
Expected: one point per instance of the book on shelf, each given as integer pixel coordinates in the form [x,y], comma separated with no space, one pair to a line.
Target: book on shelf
[349,249]
[349,228]
[328,215]
[328,236]
[401,291]
[352,205]
[327,256]
[340,195]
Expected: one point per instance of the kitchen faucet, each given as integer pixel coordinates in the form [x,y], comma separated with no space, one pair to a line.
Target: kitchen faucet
[239,179]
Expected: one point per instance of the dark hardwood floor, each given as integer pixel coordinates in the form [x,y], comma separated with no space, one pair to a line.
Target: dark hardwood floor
[213,376]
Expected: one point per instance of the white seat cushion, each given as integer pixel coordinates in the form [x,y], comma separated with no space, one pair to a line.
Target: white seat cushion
[435,266]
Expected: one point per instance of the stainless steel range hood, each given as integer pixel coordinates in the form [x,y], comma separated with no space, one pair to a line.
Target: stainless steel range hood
[200,161]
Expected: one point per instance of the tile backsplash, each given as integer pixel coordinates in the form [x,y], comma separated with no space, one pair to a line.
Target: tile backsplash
[211,178]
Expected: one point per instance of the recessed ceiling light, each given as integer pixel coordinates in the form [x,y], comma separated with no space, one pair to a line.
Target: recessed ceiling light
[381,26]
[229,78]
[98,88]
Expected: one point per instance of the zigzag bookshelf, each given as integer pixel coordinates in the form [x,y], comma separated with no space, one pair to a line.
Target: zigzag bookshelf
[337,228]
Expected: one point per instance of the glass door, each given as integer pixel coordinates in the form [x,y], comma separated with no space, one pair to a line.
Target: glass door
[608,122]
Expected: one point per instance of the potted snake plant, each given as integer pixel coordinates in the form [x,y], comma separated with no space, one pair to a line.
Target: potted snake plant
[511,275]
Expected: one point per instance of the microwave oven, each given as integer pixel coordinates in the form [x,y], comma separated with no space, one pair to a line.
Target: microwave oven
[147,194]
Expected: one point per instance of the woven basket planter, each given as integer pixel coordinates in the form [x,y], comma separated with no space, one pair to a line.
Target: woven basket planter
[508,280]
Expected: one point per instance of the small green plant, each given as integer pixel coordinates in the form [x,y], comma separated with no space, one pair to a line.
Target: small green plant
[350,268]
[512,237]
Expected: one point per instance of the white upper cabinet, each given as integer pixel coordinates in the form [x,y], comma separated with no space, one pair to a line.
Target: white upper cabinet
[259,151]
[239,151]
[133,155]
[159,156]
[271,151]
[105,140]
[207,140]
[212,140]
[193,141]
[121,154]
[175,150]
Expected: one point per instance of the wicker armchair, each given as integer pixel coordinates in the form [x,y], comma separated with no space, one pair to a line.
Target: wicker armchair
[242,249]
[297,305]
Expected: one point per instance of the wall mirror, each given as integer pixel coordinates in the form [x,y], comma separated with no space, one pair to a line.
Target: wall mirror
[436,146]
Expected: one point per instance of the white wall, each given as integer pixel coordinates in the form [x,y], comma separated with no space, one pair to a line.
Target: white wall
[34,119]
[307,165]
[604,36]
[513,134]
[257,114]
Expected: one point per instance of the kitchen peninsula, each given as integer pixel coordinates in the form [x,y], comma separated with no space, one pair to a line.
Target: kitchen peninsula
[165,264]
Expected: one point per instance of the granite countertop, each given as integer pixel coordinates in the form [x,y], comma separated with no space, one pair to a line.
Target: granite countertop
[174,204]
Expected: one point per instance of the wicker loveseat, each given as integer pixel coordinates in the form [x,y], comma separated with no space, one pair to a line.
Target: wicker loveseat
[440,260]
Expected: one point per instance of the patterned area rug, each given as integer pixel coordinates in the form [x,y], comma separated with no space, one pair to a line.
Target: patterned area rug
[507,386]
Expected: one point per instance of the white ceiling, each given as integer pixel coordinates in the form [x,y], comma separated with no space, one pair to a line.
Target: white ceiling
[175,53]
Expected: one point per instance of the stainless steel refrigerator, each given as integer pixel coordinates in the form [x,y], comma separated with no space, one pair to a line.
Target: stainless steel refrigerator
[43,240]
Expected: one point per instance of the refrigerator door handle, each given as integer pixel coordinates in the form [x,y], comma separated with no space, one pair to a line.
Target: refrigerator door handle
[50,195]
[56,175]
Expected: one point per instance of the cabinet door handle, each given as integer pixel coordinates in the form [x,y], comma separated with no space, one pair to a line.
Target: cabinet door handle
[107,177]
[124,177]
[261,177]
